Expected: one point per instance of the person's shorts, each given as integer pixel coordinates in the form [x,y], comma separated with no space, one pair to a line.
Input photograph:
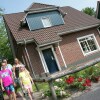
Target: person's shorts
[28,86]
[9,89]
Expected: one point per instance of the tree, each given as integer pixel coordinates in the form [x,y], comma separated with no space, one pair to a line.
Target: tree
[1,12]
[5,51]
[90,11]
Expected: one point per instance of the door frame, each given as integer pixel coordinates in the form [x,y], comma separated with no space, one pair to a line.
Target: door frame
[43,60]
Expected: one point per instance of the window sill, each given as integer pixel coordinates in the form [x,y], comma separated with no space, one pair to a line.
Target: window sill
[92,52]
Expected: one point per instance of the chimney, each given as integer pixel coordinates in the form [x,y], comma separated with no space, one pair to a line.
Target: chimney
[98,10]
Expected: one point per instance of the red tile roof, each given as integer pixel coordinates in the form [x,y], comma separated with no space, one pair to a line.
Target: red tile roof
[73,19]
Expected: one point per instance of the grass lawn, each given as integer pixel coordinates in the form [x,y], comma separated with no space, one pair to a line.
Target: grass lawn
[43,86]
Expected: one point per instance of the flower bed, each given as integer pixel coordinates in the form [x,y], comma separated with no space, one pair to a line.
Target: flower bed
[76,83]
[79,83]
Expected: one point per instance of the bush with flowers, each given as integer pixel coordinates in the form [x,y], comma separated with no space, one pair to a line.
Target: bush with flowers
[82,79]
[59,86]
[95,73]
[79,83]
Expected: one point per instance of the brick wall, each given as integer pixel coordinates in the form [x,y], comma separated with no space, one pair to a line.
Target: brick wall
[35,59]
[70,47]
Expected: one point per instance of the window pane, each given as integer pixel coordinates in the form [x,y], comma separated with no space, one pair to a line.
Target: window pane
[92,44]
[46,22]
[82,39]
[85,46]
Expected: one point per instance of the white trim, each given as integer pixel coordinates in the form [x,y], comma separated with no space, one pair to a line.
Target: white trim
[27,41]
[56,58]
[62,56]
[43,60]
[97,45]
[49,43]
[28,24]
[28,58]
[98,30]
[62,18]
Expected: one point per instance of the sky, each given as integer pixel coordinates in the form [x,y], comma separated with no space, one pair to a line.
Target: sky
[15,6]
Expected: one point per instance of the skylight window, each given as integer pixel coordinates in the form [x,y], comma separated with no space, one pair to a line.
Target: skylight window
[46,22]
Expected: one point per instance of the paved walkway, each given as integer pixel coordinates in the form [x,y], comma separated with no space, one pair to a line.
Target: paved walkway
[91,95]
[37,96]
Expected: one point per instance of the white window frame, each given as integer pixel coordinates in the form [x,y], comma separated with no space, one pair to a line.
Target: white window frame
[43,60]
[48,20]
[97,45]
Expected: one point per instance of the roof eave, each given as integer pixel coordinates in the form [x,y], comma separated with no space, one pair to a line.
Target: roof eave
[22,42]
[41,45]
[41,9]
[25,41]
[78,29]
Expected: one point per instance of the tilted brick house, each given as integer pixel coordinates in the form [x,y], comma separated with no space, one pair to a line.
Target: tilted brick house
[49,38]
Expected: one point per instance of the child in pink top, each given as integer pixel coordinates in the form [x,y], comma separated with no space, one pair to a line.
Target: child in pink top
[7,82]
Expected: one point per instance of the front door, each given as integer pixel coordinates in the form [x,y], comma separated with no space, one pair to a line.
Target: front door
[50,60]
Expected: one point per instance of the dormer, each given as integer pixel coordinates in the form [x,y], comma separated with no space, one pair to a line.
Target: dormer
[43,17]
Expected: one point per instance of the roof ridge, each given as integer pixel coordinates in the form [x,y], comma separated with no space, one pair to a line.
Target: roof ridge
[39,4]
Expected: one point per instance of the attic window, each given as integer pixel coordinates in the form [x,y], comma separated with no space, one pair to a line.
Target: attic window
[88,44]
[46,22]
[43,20]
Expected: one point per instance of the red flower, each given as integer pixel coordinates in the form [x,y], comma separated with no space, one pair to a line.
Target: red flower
[84,84]
[80,79]
[70,80]
[87,82]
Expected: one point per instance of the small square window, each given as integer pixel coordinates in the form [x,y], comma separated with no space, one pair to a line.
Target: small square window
[88,44]
[46,22]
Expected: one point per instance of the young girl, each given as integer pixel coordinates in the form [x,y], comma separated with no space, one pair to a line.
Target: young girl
[26,80]
[6,81]
[16,68]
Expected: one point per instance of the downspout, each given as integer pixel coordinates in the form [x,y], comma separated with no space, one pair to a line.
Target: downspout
[33,74]
[29,59]
[62,56]
[98,30]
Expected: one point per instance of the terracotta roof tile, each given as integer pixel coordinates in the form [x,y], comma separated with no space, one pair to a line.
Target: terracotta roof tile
[74,19]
